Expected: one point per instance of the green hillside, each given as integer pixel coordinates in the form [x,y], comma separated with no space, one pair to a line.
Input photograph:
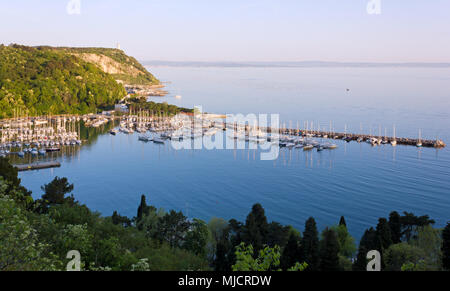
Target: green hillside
[115,62]
[45,81]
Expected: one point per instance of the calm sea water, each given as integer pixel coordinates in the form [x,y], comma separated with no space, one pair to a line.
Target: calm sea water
[358,181]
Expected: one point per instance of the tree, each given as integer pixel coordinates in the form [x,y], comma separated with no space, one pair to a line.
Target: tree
[342,221]
[292,252]
[329,251]
[367,243]
[310,245]
[8,172]
[216,227]
[268,259]
[395,227]
[401,254]
[384,233]
[256,227]
[197,238]
[172,228]
[277,234]
[446,247]
[347,247]
[224,256]
[118,219]
[429,241]
[410,223]
[20,248]
[11,182]
[142,208]
[55,193]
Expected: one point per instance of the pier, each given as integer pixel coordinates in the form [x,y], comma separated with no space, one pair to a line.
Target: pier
[37,166]
[374,139]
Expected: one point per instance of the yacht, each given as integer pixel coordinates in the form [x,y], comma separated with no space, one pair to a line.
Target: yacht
[144,138]
[394,140]
[158,140]
[419,143]
[308,147]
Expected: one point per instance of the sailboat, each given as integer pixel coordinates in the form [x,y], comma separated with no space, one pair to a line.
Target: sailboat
[394,140]
[419,143]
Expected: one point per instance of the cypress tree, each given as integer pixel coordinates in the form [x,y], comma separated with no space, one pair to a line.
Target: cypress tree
[446,247]
[256,228]
[291,253]
[368,242]
[342,221]
[310,245]
[142,208]
[329,250]
[395,226]
[384,233]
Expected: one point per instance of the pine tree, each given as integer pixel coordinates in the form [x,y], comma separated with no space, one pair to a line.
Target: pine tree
[329,250]
[256,228]
[291,253]
[384,233]
[446,247]
[310,245]
[342,221]
[395,226]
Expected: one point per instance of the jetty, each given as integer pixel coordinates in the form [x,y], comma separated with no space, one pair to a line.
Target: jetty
[37,166]
[341,135]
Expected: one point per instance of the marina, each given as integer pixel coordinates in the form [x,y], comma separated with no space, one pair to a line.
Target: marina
[358,180]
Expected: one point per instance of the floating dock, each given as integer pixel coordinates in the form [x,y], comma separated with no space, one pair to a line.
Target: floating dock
[37,166]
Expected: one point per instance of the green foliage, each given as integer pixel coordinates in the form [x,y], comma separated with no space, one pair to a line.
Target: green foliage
[54,193]
[446,247]
[41,81]
[400,254]
[197,238]
[310,245]
[298,267]
[368,242]
[132,71]
[165,258]
[329,251]
[256,227]
[395,227]
[172,229]
[20,248]
[292,252]
[268,259]
[429,241]
[347,247]
[217,230]
[158,109]
[384,233]
[342,221]
[410,224]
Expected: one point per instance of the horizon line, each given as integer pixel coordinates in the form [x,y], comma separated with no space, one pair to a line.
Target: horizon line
[293,64]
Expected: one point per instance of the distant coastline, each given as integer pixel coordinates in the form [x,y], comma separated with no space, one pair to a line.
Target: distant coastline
[304,64]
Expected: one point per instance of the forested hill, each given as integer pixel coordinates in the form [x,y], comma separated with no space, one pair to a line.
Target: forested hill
[46,80]
[122,67]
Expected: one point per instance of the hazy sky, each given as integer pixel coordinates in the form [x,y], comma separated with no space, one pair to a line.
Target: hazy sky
[238,30]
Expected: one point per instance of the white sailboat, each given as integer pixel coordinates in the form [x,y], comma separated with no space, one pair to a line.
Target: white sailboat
[419,143]
[394,140]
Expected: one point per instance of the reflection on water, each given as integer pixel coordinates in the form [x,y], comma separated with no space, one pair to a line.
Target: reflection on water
[356,180]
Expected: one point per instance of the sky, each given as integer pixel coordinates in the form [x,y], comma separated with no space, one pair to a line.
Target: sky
[238,30]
